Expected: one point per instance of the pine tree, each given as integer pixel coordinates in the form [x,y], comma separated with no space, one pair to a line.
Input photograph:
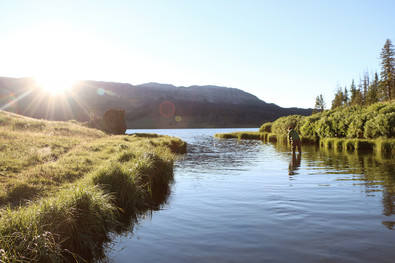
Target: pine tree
[388,69]
[373,94]
[356,95]
[353,90]
[365,85]
[319,103]
[345,97]
[339,98]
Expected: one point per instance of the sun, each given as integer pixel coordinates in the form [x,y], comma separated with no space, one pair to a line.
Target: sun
[54,85]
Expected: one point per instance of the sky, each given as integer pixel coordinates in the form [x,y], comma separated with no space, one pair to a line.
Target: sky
[282,51]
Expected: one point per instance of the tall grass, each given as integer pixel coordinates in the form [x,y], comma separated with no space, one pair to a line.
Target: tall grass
[78,184]
[240,135]
[73,224]
[377,145]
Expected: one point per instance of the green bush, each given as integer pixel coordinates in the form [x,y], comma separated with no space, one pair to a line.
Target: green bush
[266,127]
[308,128]
[340,121]
[382,125]
[377,120]
[280,126]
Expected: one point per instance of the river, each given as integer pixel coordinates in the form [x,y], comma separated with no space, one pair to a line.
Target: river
[248,201]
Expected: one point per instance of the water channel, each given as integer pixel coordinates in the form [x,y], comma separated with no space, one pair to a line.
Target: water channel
[248,201]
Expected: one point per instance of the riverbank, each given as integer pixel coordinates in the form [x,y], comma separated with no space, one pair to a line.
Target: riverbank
[347,128]
[65,187]
[263,136]
[376,145]
[232,196]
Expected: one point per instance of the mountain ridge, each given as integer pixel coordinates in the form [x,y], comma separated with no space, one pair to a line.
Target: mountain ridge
[148,105]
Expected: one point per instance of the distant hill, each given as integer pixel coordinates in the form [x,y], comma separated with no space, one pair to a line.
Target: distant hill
[150,105]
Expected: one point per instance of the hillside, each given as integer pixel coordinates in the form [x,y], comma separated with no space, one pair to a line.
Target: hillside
[150,105]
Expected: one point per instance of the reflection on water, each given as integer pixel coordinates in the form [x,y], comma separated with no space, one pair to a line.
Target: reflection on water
[373,171]
[294,163]
[246,201]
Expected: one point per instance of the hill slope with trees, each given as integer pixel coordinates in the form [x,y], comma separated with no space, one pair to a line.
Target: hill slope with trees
[150,105]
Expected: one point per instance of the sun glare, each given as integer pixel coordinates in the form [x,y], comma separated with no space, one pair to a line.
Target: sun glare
[54,85]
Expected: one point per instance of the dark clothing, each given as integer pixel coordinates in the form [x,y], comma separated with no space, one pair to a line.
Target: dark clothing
[294,138]
[293,135]
[294,144]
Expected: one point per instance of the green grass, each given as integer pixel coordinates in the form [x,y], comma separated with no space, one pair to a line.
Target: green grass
[377,145]
[65,187]
[240,135]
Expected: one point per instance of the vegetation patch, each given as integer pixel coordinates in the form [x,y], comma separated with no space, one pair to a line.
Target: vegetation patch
[75,186]
[241,135]
[370,128]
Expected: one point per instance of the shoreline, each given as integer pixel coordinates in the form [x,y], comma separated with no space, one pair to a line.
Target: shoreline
[66,187]
[75,222]
[374,145]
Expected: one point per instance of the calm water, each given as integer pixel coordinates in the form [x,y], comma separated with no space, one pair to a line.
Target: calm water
[247,201]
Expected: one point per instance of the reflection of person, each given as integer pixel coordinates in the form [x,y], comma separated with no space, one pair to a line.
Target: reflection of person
[294,138]
[294,164]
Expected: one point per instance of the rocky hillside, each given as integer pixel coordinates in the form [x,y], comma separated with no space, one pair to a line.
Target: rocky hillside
[150,105]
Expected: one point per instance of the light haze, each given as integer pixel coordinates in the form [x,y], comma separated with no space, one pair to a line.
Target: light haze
[284,52]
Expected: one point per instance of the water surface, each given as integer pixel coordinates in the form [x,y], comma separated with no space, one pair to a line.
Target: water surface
[248,201]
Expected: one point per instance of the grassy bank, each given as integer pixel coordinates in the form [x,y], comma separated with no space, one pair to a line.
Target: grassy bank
[65,187]
[263,136]
[376,145]
[240,135]
[348,127]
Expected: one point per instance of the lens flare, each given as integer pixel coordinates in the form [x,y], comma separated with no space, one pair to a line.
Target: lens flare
[167,109]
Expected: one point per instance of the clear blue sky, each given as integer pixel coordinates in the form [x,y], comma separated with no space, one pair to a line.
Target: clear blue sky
[284,52]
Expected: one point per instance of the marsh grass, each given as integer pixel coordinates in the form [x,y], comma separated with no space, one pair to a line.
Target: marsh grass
[263,136]
[377,145]
[240,135]
[385,146]
[347,144]
[64,186]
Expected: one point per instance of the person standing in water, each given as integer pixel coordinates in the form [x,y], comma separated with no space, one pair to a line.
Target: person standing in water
[294,138]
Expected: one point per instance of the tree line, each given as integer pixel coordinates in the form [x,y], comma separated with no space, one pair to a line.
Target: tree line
[371,89]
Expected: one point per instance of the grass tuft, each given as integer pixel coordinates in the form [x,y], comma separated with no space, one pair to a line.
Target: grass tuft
[64,186]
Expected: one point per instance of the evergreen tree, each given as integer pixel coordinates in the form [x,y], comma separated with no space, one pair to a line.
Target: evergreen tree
[319,103]
[356,95]
[373,94]
[339,98]
[365,85]
[388,69]
[345,97]
[353,90]
[358,98]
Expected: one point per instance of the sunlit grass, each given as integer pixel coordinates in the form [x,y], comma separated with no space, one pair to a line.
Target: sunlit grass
[65,186]
[377,145]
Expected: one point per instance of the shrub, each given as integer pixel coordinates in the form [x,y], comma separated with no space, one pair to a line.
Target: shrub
[308,129]
[266,127]
[280,126]
[382,125]
[374,121]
